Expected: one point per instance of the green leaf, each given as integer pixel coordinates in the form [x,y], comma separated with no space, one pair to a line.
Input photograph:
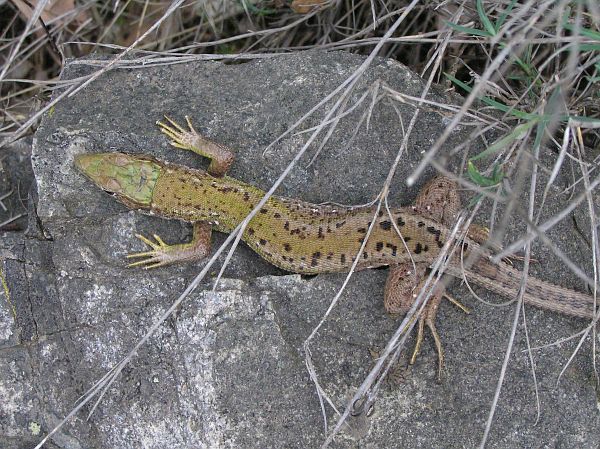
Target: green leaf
[589,47]
[506,140]
[595,35]
[467,30]
[257,10]
[491,102]
[482,180]
[485,21]
[474,200]
[505,14]
[583,119]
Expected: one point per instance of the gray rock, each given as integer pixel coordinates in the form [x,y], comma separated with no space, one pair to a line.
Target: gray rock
[227,369]
[16,176]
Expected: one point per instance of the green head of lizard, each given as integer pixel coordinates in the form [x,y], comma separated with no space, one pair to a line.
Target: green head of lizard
[131,178]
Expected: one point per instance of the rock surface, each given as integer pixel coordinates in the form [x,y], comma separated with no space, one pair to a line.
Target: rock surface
[227,370]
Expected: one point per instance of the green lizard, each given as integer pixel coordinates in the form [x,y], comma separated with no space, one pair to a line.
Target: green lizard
[307,238]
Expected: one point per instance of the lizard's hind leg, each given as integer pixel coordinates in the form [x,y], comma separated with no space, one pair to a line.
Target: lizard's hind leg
[438,200]
[401,289]
[220,156]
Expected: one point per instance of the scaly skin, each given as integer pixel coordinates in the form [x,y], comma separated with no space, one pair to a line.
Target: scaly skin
[306,238]
[293,235]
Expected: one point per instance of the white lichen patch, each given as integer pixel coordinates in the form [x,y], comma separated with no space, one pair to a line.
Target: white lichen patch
[6,319]
[10,397]
[95,303]
[15,398]
[34,428]
[102,350]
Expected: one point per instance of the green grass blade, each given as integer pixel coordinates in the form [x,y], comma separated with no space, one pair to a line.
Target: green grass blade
[481,180]
[504,15]
[485,21]
[467,30]
[491,102]
[506,140]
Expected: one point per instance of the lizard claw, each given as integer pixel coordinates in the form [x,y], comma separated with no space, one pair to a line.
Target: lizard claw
[180,138]
[427,318]
[457,303]
[157,257]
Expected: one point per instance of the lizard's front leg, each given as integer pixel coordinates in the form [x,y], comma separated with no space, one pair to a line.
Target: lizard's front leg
[220,156]
[165,254]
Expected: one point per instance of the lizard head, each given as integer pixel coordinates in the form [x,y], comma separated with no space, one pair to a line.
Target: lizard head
[131,178]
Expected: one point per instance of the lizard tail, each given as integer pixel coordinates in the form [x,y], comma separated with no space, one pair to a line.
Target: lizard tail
[506,280]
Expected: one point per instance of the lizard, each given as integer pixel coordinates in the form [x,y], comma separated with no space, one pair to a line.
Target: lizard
[306,238]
